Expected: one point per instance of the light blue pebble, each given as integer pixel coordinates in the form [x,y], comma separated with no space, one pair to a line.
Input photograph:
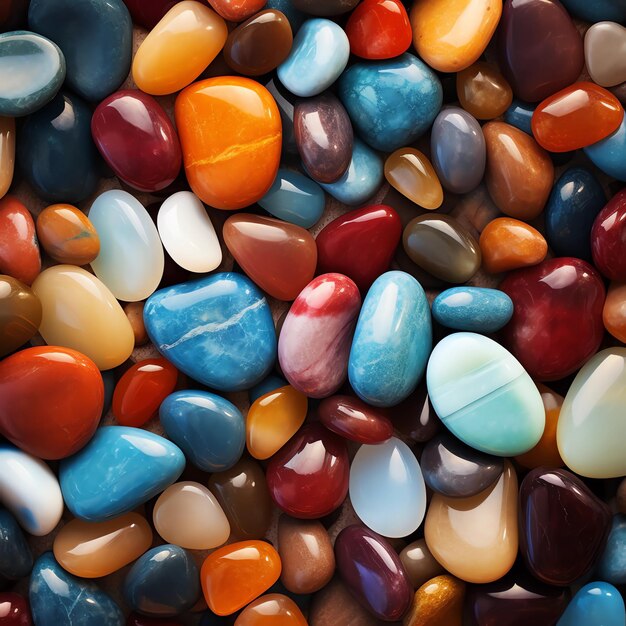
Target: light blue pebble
[597,10]
[610,153]
[520,114]
[595,604]
[612,564]
[271,383]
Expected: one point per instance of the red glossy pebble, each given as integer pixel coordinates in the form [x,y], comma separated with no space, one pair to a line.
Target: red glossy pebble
[134,619]
[237,10]
[51,400]
[19,250]
[148,13]
[14,610]
[608,238]
[308,477]
[557,320]
[359,244]
[379,29]
[141,390]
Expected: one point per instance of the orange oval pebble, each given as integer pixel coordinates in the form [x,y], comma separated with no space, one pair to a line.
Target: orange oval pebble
[614,313]
[483,91]
[274,609]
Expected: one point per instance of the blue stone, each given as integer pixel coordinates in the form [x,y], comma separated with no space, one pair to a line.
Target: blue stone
[295,17]
[163,582]
[16,559]
[271,383]
[60,599]
[32,70]
[595,604]
[361,180]
[473,308]
[612,564]
[610,154]
[391,103]
[218,330]
[119,469]
[295,198]
[96,37]
[56,153]
[392,340]
[576,199]
[210,430]
[519,114]
[597,11]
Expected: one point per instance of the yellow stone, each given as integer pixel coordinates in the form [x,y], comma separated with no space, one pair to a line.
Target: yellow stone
[438,602]
[483,91]
[7,153]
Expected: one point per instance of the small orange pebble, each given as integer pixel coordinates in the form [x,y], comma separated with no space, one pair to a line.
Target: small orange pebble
[134,313]
[237,10]
[483,91]
[614,313]
[274,609]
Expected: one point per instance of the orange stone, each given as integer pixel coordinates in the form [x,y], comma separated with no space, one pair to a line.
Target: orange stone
[237,10]
[134,313]
[614,313]
[438,602]
[483,91]
[274,609]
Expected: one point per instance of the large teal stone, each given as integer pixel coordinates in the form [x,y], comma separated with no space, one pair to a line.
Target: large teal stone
[96,37]
[32,70]
[218,330]
[597,10]
[612,564]
[595,604]
[16,559]
[119,469]
[609,155]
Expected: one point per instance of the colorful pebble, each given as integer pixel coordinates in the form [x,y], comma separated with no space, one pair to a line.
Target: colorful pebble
[20,314]
[19,250]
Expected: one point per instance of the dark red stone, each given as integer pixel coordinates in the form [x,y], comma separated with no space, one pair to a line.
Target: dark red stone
[13,15]
[608,238]
[148,13]
[415,417]
[14,610]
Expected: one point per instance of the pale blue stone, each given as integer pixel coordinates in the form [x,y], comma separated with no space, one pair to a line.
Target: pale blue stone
[612,565]
[595,604]
[610,154]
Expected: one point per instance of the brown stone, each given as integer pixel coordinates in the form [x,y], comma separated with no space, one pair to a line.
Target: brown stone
[134,313]
[419,563]
[334,606]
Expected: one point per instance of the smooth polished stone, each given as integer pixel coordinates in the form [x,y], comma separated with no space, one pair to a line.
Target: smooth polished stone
[470,378]
[608,154]
[519,172]
[163,582]
[148,14]
[97,42]
[392,340]
[35,499]
[475,309]
[60,599]
[595,603]
[295,16]
[612,566]
[285,103]
[19,250]
[308,477]
[144,465]
[179,48]
[605,43]
[520,114]
[608,236]
[244,498]
[62,416]
[16,559]
[325,7]
[576,117]
[134,313]
[96,549]
[482,91]
[415,417]
[443,247]
[457,146]
[392,102]
[318,57]
[387,488]
[80,312]
[306,553]
[236,10]
[438,602]
[14,610]
[271,383]
[273,609]
[218,330]
[7,153]
[557,319]
[238,573]
[335,604]
[410,172]
[563,526]
[32,70]
[419,564]
[613,313]
[244,136]
[363,557]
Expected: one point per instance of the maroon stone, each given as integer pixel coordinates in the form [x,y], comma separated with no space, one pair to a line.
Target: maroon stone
[415,417]
[148,13]
[608,238]
[14,610]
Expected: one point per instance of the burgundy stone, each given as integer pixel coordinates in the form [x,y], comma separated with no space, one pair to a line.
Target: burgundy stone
[148,13]
[14,610]
[608,238]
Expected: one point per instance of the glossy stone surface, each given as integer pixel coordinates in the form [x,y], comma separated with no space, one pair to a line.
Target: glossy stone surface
[419,564]
[387,488]
[608,154]
[608,237]
[308,477]
[471,379]
[483,91]
[439,602]
[604,43]
[595,603]
[273,609]
[19,251]
[16,559]
[520,114]
[144,463]
[96,549]
[32,70]
[14,610]
[7,153]
[236,10]
[148,14]
[285,102]
[611,567]
[392,102]
[218,330]
[271,383]
[325,7]
[614,311]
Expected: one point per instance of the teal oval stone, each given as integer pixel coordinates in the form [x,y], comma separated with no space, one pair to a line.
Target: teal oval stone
[612,564]
[218,330]
[609,155]
[119,469]
[595,604]
[16,559]
[60,599]
[32,70]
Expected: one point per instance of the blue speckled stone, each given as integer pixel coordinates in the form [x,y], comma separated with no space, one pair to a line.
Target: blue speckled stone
[294,198]
[295,17]
[612,565]
[473,308]
[597,10]
[392,340]
[361,180]
[32,70]
[210,430]
[218,330]
[56,153]
[391,103]
[96,37]
[60,599]
[163,582]
[271,383]
[519,114]
[576,199]
[16,559]
[610,154]
[319,54]
[595,604]
[119,469]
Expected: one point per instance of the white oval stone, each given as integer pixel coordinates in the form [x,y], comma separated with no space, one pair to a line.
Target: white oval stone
[605,53]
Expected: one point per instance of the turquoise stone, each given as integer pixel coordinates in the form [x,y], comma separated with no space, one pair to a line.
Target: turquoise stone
[16,559]
[519,114]
[270,383]
[361,180]
[218,330]
[597,10]
[391,103]
[60,599]
[56,153]
[475,309]
[210,430]
[609,155]
[163,582]
[294,198]
[119,469]
[595,604]
[392,340]
[32,70]
[96,37]
[612,564]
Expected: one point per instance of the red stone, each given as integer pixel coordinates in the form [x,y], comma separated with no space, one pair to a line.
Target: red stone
[608,238]
[14,610]
[359,244]
[557,320]
[148,13]
[51,400]
[236,10]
